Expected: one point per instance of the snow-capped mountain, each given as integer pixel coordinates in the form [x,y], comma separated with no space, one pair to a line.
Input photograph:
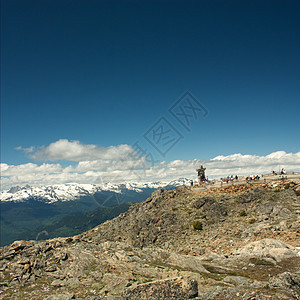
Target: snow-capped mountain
[28,208]
[73,191]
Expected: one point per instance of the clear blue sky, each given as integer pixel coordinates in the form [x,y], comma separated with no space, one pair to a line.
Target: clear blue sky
[103,72]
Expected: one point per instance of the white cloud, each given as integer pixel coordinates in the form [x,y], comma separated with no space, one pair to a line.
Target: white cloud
[273,160]
[27,150]
[64,149]
[30,168]
[112,166]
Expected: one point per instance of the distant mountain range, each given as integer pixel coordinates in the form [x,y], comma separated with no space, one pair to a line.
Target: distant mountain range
[74,191]
[27,209]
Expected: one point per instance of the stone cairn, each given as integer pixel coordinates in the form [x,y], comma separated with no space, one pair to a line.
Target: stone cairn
[201,174]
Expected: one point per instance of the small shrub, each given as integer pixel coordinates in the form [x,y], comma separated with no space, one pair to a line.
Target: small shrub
[243,213]
[251,221]
[198,225]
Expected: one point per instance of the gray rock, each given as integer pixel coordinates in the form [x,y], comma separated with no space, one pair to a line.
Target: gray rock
[237,280]
[61,297]
[268,248]
[113,284]
[199,203]
[287,281]
[58,283]
[72,282]
[176,288]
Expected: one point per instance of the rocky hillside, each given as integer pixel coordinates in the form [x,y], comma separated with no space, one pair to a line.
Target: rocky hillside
[235,242]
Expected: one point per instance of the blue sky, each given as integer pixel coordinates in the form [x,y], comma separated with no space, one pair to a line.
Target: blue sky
[103,72]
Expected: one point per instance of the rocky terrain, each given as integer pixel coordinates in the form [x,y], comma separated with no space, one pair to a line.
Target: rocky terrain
[233,242]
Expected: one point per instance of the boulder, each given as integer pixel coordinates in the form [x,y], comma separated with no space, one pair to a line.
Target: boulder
[297,190]
[18,245]
[61,297]
[268,248]
[176,288]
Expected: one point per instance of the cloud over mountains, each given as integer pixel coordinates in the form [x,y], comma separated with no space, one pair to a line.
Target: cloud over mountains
[64,149]
[98,164]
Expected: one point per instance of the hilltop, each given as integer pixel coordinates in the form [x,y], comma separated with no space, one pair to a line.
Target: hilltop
[235,242]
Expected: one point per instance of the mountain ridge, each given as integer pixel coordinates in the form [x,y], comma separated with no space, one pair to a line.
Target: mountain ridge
[245,248]
[71,191]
